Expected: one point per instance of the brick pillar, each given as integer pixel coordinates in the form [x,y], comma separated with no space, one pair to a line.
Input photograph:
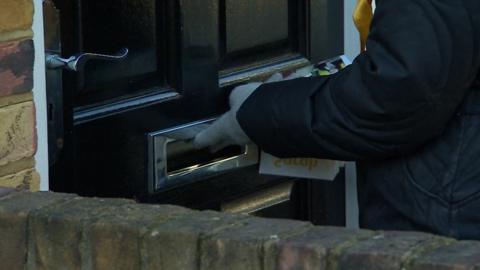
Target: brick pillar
[17,110]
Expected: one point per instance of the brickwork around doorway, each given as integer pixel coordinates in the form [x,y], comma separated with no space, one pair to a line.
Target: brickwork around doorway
[50,231]
[17,110]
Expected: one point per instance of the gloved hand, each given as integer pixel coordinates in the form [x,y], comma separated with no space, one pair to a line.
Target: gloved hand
[226,130]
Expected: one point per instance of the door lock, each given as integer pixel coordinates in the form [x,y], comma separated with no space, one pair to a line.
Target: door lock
[77,62]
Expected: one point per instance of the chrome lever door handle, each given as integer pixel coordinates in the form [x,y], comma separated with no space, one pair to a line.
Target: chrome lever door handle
[77,62]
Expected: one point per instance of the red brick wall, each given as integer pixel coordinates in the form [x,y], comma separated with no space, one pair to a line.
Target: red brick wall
[48,231]
[17,111]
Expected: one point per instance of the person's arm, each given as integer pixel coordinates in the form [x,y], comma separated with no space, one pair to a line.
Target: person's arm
[420,61]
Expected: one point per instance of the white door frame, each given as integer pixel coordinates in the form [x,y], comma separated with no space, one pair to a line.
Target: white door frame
[351,49]
[40,96]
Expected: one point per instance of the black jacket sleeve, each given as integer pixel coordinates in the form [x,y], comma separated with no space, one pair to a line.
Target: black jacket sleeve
[421,58]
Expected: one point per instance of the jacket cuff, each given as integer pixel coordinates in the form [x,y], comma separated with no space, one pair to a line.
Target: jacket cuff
[277,115]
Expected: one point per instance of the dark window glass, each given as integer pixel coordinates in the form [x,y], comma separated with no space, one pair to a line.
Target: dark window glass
[252,23]
[257,31]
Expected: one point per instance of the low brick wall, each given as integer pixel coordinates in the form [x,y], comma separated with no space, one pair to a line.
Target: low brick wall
[51,231]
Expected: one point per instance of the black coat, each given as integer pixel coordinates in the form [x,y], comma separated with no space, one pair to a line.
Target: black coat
[407,109]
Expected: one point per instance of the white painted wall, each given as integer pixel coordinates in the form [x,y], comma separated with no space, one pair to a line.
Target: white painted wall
[352,49]
[40,97]
[351,37]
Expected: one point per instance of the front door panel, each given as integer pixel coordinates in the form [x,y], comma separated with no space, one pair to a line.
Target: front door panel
[184,58]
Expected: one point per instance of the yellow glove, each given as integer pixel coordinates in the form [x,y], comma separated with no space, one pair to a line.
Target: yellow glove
[362,18]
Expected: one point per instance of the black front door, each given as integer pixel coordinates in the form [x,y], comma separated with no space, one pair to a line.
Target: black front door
[184,56]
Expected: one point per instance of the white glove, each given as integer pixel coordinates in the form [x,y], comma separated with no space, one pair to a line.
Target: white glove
[226,130]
